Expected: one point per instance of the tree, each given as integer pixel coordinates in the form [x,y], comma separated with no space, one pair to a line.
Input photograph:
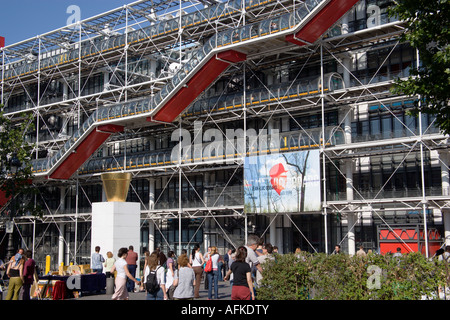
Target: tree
[16,186]
[428,31]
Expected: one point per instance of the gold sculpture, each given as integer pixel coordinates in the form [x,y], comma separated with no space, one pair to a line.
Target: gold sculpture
[116,185]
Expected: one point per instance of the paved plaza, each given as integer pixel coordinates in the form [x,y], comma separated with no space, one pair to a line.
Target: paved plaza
[224,294]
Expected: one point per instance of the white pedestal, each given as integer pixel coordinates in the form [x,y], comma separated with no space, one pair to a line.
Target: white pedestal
[115,225]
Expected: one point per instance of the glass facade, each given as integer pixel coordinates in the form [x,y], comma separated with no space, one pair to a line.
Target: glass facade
[338,102]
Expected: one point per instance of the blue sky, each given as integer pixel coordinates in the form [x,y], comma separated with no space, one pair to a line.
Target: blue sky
[24,19]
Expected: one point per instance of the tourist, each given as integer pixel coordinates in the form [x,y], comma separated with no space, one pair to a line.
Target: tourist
[29,269]
[242,278]
[213,276]
[361,252]
[337,249]
[154,265]
[109,263]
[267,255]
[131,259]
[15,274]
[184,281]
[398,254]
[121,266]
[206,258]
[170,274]
[97,261]
[251,257]
[196,261]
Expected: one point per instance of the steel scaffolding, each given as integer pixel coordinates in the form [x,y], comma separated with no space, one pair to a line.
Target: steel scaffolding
[124,77]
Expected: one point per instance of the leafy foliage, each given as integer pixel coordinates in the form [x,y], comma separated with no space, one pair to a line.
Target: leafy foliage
[13,142]
[428,30]
[345,277]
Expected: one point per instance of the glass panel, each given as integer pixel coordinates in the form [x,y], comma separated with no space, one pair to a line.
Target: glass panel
[264,27]
[274,25]
[311,4]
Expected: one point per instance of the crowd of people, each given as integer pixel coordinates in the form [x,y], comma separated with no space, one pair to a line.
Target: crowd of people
[179,278]
[170,277]
[20,271]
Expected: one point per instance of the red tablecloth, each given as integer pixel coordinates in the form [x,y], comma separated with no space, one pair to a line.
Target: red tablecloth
[59,290]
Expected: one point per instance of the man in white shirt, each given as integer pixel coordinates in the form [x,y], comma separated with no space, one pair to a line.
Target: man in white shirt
[252,258]
[267,255]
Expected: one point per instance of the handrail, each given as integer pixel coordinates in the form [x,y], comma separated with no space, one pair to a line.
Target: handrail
[162,28]
[285,24]
[289,141]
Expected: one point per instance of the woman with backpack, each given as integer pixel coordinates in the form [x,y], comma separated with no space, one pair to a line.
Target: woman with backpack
[154,280]
[121,267]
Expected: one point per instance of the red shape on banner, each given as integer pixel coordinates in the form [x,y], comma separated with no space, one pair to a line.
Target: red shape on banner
[2,42]
[278,177]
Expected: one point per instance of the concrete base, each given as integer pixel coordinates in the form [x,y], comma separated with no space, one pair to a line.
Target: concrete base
[115,225]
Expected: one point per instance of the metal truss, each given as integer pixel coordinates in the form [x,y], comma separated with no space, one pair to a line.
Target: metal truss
[172,50]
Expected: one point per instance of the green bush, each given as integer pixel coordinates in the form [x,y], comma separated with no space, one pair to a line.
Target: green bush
[345,277]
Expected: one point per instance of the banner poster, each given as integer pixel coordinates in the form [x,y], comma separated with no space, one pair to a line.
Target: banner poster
[284,182]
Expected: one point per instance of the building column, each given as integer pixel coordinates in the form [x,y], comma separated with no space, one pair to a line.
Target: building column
[351,216]
[153,67]
[151,236]
[61,227]
[206,235]
[151,193]
[62,199]
[346,58]
[106,81]
[443,157]
[346,117]
[206,188]
[65,91]
[61,243]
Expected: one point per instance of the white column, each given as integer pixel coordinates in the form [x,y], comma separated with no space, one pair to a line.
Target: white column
[105,81]
[65,91]
[151,195]
[346,59]
[151,236]
[61,243]
[443,157]
[115,225]
[206,236]
[61,226]
[153,66]
[351,216]
[346,116]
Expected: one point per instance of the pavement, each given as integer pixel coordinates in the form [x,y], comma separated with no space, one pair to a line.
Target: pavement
[224,294]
